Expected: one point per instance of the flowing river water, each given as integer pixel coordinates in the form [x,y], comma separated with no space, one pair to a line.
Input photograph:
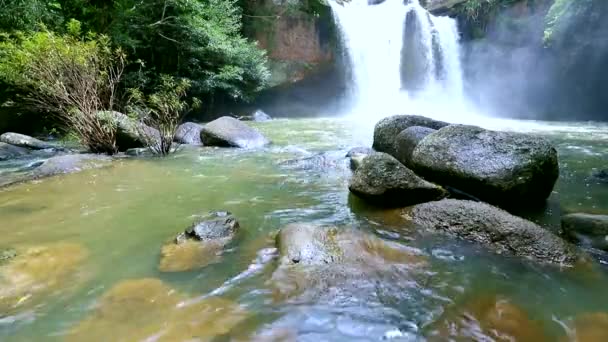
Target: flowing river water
[99,235]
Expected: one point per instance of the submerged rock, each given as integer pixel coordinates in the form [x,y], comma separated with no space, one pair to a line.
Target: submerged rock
[27,275]
[70,163]
[407,140]
[230,132]
[487,318]
[147,309]
[382,180]
[189,133]
[8,151]
[590,327]
[199,245]
[505,169]
[494,228]
[356,156]
[587,228]
[387,129]
[22,140]
[599,176]
[313,258]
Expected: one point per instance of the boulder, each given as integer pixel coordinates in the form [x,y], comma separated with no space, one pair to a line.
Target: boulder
[8,151]
[70,163]
[587,228]
[26,141]
[199,245]
[356,156]
[260,116]
[129,132]
[494,228]
[230,132]
[387,129]
[189,133]
[383,181]
[407,140]
[505,169]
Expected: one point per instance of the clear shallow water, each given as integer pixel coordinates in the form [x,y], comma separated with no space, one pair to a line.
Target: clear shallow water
[121,216]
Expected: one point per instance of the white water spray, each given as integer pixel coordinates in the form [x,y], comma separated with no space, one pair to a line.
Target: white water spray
[401,59]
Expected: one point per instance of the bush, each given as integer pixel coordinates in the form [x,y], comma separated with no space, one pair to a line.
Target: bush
[162,110]
[70,77]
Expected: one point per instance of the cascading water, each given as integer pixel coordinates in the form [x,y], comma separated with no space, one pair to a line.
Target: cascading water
[401,58]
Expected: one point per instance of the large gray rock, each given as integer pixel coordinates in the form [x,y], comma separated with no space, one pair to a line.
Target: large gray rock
[199,245]
[129,132]
[407,141]
[494,228]
[356,156]
[383,180]
[26,141]
[230,132]
[387,129]
[587,228]
[506,169]
[189,133]
[70,163]
[8,151]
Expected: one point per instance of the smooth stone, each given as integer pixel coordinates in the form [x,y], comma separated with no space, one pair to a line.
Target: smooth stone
[502,168]
[494,228]
[384,181]
[387,129]
[407,141]
[486,318]
[189,133]
[230,132]
[216,225]
[22,140]
[149,310]
[356,156]
[587,228]
[70,163]
[8,151]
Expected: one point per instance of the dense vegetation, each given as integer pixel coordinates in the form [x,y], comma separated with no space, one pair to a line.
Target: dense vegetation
[194,41]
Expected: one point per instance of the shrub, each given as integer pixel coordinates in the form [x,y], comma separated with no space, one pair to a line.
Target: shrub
[68,76]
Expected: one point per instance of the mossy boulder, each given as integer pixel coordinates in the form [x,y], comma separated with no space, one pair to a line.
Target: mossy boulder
[387,129]
[502,168]
[382,180]
[494,228]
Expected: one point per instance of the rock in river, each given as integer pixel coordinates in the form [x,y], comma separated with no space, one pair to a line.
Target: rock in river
[189,133]
[494,228]
[200,245]
[8,151]
[149,310]
[383,180]
[26,141]
[230,132]
[70,163]
[356,156]
[129,132]
[387,129]
[586,228]
[505,169]
[407,140]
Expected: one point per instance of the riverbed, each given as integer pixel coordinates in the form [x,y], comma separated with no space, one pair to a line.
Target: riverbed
[120,216]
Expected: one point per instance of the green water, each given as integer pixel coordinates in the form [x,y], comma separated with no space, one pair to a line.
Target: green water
[124,213]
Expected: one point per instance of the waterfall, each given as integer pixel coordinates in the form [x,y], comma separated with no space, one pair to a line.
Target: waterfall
[401,59]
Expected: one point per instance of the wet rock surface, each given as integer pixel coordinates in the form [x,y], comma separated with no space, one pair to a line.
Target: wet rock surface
[505,169]
[22,140]
[189,133]
[260,116]
[599,176]
[28,275]
[587,228]
[199,245]
[383,180]
[147,309]
[8,151]
[387,129]
[407,140]
[70,163]
[230,132]
[495,229]
[486,318]
[356,156]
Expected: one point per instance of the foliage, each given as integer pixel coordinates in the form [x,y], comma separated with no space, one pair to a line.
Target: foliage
[68,76]
[162,110]
[479,12]
[559,14]
[19,15]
